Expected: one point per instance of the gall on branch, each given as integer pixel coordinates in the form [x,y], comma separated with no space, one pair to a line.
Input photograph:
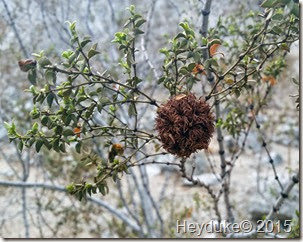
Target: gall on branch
[185,124]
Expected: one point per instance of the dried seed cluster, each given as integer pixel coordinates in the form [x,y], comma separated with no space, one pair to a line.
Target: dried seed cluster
[185,125]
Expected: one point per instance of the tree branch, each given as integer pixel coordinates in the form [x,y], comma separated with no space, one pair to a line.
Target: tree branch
[99,202]
[277,205]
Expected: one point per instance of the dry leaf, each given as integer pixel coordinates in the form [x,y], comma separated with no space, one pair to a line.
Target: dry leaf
[270,79]
[229,81]
[77,131]
[26,65]
[118,148]
[213,49]
[199,68]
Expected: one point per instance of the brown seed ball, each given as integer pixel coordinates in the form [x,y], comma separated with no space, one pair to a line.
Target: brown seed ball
[185,125]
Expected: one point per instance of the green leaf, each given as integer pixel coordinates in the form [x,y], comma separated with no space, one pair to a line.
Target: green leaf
[32,76]
[191,66]
[85,42]
[204,41]
[50,77]
[190,82]
[237,92]
[7,126]
[132,8]
[296,10]
[31,142]
[56,144]
[183,70]
[276,30]
[102,189]
[288,8]
[44,120]
[277,17]
[68,132]
[284,1]
[44,61]
[140,22]
[62,147]
[70,188]
[180,35]
[184,26]
[160,80]
[72,58]
[50,98]
[197,57]
[20,146]
[268,3]
[92,53]
[38,145]
[35,127]
[210,62]
[138,31]
[46,143]
[72,26]
[66,54]
[81,99]
[78,147]
[295,80]
[215,41]
[132,110]
[67,93]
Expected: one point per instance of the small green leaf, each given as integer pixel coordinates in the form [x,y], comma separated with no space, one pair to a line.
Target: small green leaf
[237,92]
[20,146]
[56,144]
[44,120]
[67,93]
[44,61]
[78,147]
[35,127]
[92,53]
[132,8]
[215,41]
[190,82]
[277,17]
[102,189]
[50,98]
[31,142]
[50,77]
[183,70]
[84,43]
[68,132]
[191,66]
[296,10]
[180,35]
[72,58]
[38,145]
[197,57]
[46,143]
[295,81]
[160,80]
[62,147]
[268,3]
[66,54]
[70,188]
[288,8]
[276,30]
[7,125]
[138,31]
[32,76]
[132,110]
[140,22]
